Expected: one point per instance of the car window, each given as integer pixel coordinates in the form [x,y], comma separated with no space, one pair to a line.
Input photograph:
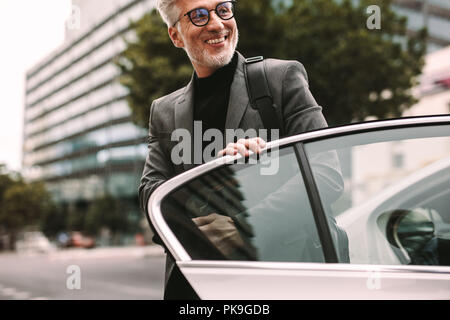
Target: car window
[395,208]
[241,212]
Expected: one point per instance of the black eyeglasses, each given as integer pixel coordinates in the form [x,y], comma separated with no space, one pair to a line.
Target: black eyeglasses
[200,16]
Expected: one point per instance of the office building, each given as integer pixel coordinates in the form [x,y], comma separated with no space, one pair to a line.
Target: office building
[433,14]
[78,136]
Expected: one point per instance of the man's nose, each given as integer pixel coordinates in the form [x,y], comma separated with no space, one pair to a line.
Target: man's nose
[215,23]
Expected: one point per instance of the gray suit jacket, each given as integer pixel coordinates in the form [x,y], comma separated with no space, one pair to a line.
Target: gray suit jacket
[288,84]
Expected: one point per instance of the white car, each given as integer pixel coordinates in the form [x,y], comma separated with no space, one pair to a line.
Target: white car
[352,212]
[34,242]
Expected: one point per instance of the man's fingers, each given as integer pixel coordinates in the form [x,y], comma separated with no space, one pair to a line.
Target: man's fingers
[204,220]
[201,221]
[253,146]
[243,146]
[260,142]
[242,149]
[229,150]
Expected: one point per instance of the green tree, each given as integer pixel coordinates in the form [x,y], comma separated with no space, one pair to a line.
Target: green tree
[54,221]
[21,204]
[106,211]
[76,215]
[353,72]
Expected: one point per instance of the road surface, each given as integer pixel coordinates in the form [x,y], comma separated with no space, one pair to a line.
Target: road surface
[135,273]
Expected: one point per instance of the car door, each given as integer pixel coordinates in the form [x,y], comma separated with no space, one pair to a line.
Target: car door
[339,213]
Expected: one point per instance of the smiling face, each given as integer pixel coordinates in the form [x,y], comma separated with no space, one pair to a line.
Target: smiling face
[209,47]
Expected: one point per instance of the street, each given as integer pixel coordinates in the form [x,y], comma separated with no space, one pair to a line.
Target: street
[105,273]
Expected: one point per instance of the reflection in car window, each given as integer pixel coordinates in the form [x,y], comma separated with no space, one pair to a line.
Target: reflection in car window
[395,208]
[237,213]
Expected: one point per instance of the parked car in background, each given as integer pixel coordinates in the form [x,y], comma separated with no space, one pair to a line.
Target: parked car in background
[352,212]
[33,242]
[77,239]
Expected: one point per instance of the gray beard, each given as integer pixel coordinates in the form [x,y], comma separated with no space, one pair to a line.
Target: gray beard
[200,57]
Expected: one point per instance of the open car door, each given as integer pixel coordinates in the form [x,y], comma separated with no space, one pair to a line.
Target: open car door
[355,212]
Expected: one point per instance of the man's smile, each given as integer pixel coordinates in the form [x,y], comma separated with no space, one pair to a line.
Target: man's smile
[217,40]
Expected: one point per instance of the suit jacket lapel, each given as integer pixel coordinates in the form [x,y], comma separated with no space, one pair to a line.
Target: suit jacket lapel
[239,99]
[184,116]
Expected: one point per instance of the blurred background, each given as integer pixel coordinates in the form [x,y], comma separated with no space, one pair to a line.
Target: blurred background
[77,81]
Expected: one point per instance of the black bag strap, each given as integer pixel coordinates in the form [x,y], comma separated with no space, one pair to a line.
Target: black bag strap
[259,93]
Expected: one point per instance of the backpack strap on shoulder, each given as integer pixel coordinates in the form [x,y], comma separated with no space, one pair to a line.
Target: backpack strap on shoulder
[260,96]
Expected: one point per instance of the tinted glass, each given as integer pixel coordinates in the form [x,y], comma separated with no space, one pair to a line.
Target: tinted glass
[225,10]
[395,207]
[199,16]
[241,212]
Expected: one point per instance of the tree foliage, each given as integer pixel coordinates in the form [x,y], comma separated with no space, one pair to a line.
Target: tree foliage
[22,204]
[25,205]
[106,211]
[353,72]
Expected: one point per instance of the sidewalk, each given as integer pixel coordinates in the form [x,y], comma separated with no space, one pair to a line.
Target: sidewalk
[107,252]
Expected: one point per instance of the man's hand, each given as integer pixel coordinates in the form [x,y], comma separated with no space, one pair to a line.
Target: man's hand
[221,231]
[243,146]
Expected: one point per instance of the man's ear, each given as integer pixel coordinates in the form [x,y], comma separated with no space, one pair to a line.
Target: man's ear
[175,36]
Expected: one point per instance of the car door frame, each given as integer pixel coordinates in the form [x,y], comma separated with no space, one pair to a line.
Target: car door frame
[330,274]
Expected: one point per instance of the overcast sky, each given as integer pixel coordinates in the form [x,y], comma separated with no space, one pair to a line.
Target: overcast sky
[29,30]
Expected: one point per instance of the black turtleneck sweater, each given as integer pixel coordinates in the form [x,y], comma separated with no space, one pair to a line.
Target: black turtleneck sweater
[211,97]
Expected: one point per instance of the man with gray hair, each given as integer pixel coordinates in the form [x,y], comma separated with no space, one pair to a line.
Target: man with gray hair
[217,97]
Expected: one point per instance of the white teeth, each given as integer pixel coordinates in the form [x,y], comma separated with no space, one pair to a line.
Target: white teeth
[213,41]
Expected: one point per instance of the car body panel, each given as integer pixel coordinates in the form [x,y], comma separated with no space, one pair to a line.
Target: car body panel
[292,281]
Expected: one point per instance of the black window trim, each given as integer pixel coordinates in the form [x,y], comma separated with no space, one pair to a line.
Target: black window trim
[323,230]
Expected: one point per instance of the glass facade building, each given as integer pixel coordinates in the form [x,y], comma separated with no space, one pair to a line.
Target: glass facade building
[78,136]
[433,14]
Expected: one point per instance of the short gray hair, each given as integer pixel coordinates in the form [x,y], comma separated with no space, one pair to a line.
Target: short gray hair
[168,10]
